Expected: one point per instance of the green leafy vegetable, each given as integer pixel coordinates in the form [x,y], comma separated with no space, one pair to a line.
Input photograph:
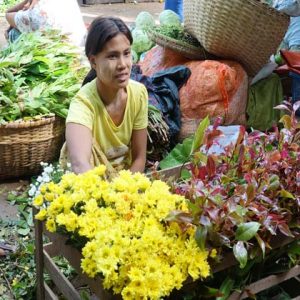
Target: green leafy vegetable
[144,20]
[39,75]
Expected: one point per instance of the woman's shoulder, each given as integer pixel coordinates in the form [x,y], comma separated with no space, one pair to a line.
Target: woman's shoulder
[88,90]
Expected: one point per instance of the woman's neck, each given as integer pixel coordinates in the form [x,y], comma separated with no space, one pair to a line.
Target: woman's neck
[107,94]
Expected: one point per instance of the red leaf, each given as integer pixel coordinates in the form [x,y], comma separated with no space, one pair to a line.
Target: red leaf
[179,216]
[211,166]
[213,213]
[211,136]
[202,173]
[250,193]
[274,156]
[284,229]
[217,122]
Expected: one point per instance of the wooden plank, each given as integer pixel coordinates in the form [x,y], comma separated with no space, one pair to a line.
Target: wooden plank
[51,249]
[38,256]
[63,284]
[49,295]
[74,257]
[265,283]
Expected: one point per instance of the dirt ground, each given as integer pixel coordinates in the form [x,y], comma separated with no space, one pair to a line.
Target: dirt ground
[128,13]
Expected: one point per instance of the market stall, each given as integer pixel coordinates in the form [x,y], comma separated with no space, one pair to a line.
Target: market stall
[221,196]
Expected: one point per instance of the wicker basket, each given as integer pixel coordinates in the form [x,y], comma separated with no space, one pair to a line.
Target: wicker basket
[25,144]
[187,50]
[248,31]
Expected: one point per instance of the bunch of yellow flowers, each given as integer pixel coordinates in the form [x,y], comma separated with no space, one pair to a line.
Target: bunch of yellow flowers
[137,253]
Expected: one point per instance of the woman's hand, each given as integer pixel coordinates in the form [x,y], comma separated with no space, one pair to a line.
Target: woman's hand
[79,145]
[30,4]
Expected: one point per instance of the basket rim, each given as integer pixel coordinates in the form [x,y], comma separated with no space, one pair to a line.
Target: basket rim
[185,49]
[269,8]
[29,123]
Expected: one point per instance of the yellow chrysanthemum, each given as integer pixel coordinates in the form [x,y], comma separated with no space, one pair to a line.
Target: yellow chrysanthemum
[43,189]
[213,253]
[41,215]
[89,267]
[70,221]
[38,200]
[49,197]
[138,254]
[50,225]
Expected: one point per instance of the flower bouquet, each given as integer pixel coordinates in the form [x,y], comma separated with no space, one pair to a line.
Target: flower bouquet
[121,231]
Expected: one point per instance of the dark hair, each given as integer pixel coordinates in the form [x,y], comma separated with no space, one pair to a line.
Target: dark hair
[101,30]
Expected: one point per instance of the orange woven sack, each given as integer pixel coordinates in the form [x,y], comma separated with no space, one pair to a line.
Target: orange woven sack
[159,58]
[215,88]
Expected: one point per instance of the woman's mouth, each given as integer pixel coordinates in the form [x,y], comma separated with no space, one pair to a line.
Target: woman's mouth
[122,76]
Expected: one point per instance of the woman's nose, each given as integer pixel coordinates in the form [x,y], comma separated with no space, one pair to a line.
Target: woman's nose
[122,61]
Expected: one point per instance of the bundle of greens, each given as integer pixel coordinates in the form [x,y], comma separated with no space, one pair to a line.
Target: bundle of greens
[39,75]
[158,136]
[178,33]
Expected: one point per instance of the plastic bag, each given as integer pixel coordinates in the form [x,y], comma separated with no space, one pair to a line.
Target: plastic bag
[290,7]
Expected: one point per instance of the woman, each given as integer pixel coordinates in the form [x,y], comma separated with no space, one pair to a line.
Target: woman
[32,15]
[109,114]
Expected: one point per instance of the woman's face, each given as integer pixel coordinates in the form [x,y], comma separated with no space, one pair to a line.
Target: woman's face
[113,64]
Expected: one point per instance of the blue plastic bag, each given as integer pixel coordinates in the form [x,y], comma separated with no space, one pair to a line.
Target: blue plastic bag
[176,6]
[290,7]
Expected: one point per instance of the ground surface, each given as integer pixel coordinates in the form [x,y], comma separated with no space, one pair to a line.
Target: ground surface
[128,13]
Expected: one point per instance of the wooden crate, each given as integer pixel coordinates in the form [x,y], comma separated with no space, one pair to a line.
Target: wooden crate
[57,246]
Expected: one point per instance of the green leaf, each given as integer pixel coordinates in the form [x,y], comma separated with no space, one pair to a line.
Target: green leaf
[294,248]
[246,231]
[240,253]
[226,288]
[287,121]
[286,194]
[23,231]
[84,295]
[261,244]
[200,236]
[178,156]
[185,174]
[199,135]
[208,292]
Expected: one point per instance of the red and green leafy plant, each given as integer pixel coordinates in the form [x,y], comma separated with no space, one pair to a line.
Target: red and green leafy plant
[243,197]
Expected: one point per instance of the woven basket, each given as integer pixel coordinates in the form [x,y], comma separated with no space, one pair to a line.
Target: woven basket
[187,50]
[247,31]
[25,144]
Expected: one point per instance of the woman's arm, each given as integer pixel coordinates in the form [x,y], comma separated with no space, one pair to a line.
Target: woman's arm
[138,150]
[11,12]
[79,145]
[18,6]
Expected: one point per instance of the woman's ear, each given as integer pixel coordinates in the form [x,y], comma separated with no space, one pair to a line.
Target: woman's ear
[92,60]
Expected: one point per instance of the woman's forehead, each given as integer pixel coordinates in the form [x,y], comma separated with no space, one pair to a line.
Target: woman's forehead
[118,43]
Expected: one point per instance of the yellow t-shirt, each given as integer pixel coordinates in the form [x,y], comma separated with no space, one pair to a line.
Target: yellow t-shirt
[88,109]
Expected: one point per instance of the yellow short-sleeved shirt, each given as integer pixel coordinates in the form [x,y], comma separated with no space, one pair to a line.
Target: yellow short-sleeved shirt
[88,109]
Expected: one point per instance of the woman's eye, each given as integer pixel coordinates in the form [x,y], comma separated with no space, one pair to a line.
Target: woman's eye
[127,53]
[112,56]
